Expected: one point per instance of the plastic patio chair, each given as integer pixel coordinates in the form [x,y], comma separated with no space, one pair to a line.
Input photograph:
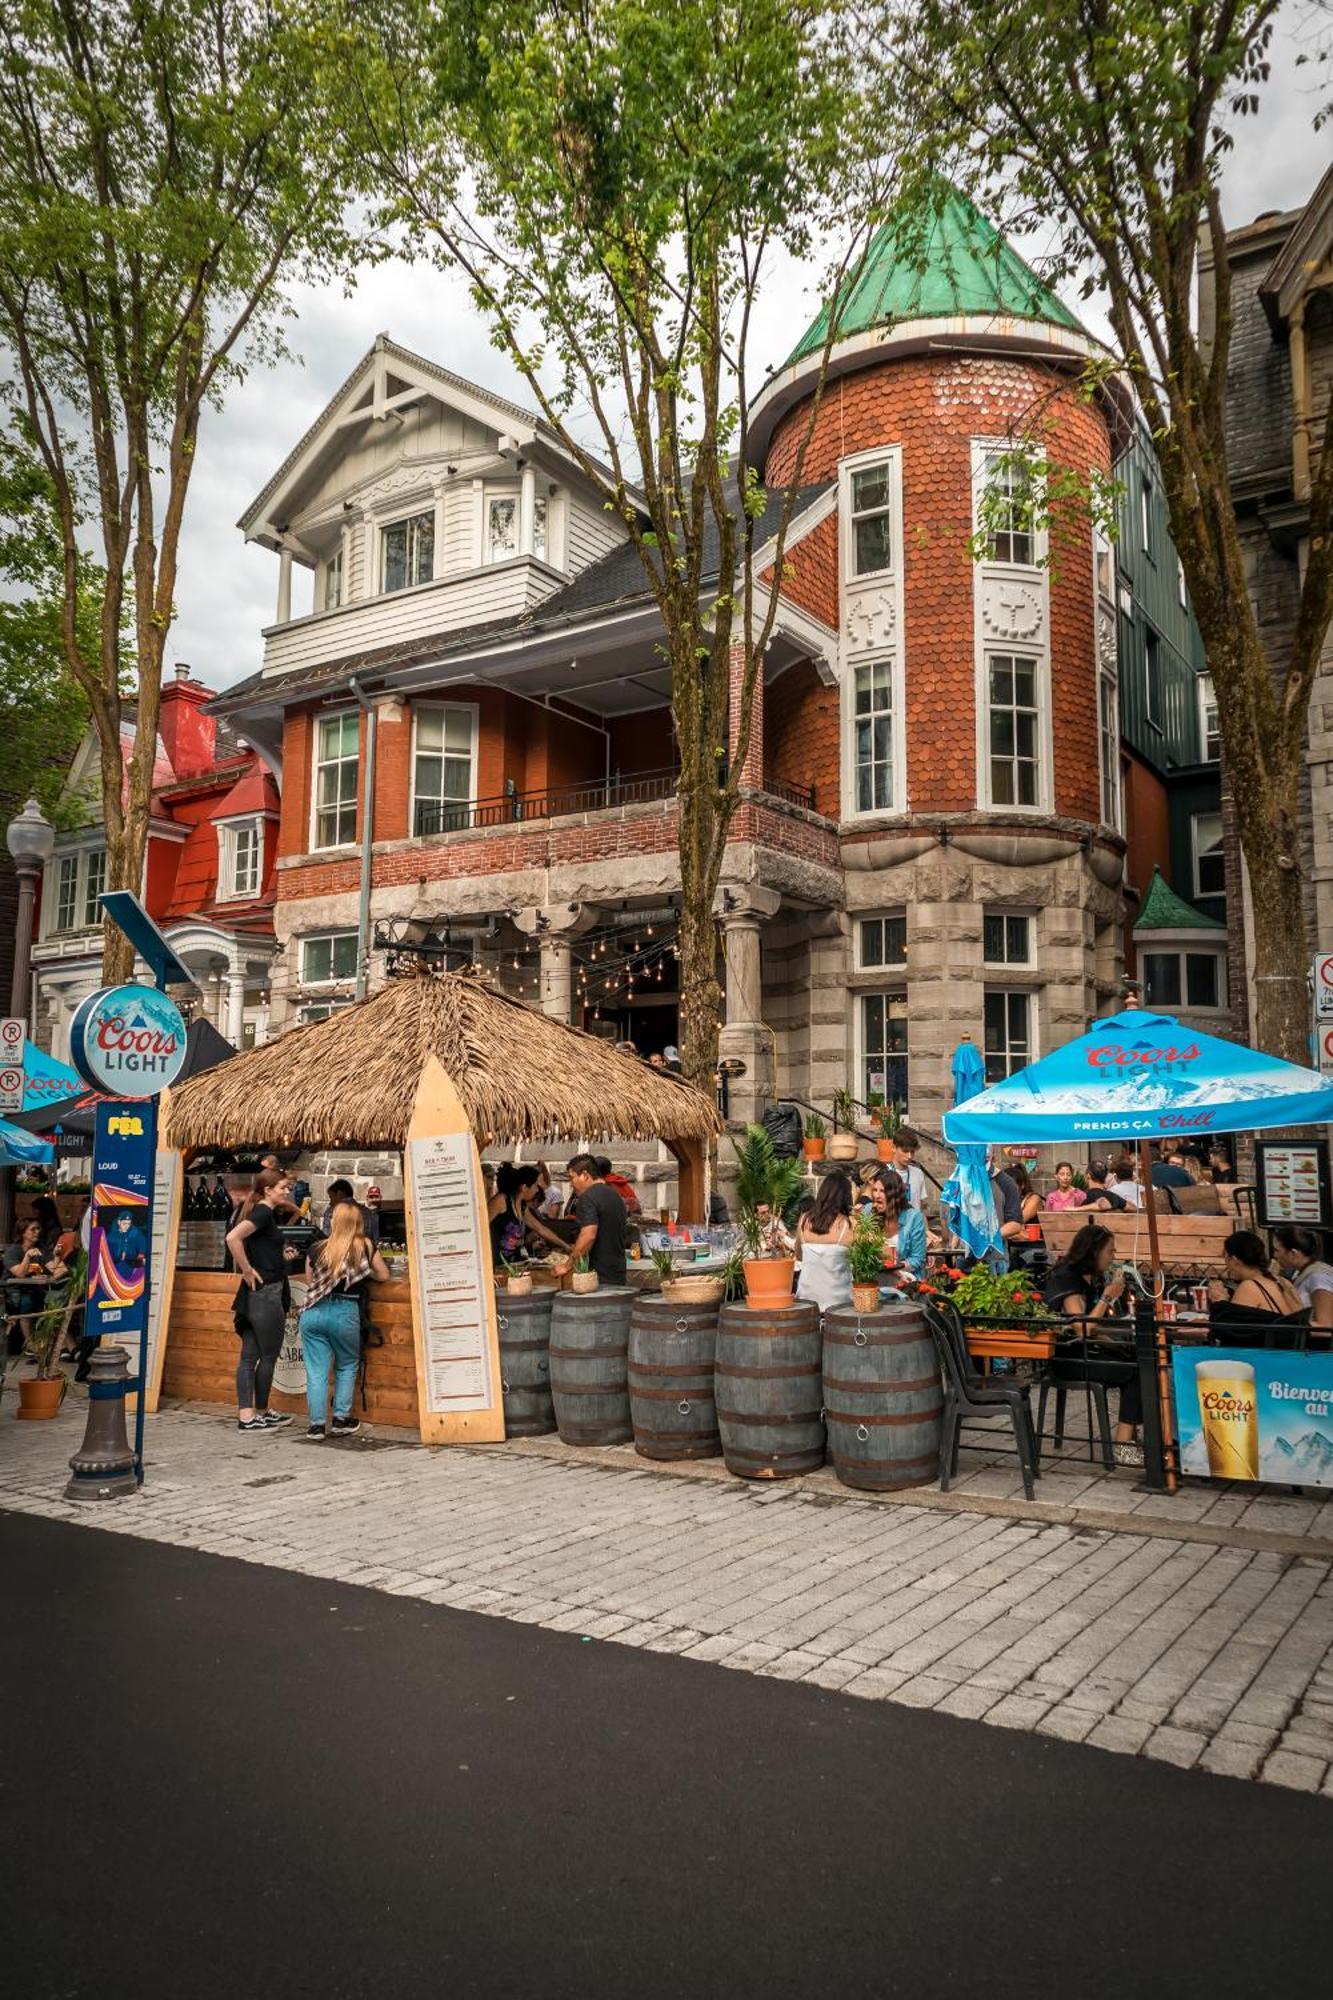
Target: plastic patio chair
[969,1393]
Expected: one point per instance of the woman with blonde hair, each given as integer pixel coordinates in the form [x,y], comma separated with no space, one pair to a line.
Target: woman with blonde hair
[331,1318]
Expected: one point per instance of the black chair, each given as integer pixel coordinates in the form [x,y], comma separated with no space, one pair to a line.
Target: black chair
[969,1393]
[1062,1376]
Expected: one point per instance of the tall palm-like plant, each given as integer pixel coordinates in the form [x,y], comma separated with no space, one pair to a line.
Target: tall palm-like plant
[763,1176]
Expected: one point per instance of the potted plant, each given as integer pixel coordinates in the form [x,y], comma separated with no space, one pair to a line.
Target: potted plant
[583,1278]
[766,1185]
[865,1254]
[816,1136]
[41,1395]
[516,1281]
[1001,1308]
[843,1144]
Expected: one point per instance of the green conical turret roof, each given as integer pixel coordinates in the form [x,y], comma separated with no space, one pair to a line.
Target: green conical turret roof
[1164,910]
[948,263]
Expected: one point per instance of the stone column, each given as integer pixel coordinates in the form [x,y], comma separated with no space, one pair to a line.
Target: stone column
[744,1034]
[235,1009]
[557,984]
[284,586]
[555,928]
[527,509]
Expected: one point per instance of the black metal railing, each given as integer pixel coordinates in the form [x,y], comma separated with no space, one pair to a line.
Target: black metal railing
[792,795]
[513,808]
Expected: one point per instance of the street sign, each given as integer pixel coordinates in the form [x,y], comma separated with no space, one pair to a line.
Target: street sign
[13,1041]
[1324,1039]
[1323,986]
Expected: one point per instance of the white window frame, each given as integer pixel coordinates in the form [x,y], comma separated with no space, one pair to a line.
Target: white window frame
[494,496]
[92,914]
[1045,747]
[68,869]
[898,758]
[423,512]
[1198,890]
[1027,995]
[318,1010]
[896,991]
[1007,964]
[1180,950]
[984,450]
[890,455]
[229,843]
[1208,699]
[310,985]
[332,578]
[881,917]
[472,711]
[317,846]
[1108,746]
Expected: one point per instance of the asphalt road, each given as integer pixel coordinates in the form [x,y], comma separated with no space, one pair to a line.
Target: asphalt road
[218,1779]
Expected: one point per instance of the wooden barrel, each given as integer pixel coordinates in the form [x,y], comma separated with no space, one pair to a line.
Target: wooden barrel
[671,1354]
[882,1398]
[590,1365]
[525,1368]
[768,1391]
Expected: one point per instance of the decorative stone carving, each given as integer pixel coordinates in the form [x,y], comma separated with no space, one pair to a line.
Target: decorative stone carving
[1011,609]
[409,476]
[870,621]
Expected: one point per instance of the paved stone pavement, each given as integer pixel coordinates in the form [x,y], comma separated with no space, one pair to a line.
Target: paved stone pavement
[1193,1651]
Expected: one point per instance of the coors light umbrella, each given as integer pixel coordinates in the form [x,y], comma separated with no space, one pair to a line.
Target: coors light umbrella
[966,1201]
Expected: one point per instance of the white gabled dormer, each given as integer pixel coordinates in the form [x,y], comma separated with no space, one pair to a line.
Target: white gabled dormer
[419,504]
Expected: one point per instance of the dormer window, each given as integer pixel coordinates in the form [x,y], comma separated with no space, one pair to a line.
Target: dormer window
[240,860]
[407,552]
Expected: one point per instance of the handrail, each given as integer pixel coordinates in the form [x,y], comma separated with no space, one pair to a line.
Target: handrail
[514,808]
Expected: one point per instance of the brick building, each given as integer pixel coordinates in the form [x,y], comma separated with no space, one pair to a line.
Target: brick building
[208,873]
[472,721]
[1279,381]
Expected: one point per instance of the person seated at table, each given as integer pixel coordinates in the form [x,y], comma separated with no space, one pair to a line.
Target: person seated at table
[825,1275]
[1064,1194]
[1299,1254]
[25,1272]
[1124,1181]
[1220,1167]
[1029,1202]
[1167,1170]
[1259,1310]
[904,1226]
[1078,1287]
[1101,1196]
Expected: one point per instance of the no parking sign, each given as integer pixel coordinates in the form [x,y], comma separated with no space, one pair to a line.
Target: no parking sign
[13,1040]
[1323,986]
[1324,1037]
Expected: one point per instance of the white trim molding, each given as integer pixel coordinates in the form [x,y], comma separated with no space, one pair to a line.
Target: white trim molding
[871,633]
[1011,624]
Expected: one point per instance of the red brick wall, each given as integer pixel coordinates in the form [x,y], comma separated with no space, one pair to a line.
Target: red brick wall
[297,742]
[801,735]
[643,742]
[393,775]
[933,408]
[810,570]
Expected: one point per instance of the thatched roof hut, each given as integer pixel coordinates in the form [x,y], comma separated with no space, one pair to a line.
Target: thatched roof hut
[351,1080]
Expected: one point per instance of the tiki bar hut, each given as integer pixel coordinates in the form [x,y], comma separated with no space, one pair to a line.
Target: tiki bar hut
[436,1066]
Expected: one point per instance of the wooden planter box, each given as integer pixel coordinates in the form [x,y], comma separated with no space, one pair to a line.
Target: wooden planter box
[1017,1343]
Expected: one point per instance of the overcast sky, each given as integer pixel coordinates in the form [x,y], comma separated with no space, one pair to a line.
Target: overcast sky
[227,590]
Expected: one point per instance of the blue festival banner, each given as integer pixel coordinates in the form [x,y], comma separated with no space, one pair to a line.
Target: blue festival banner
[1248,1413]
[121,1231]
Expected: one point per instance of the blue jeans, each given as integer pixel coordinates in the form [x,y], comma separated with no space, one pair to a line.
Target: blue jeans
[331,1336]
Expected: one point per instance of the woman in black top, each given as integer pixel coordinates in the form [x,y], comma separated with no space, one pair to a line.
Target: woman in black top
[261,1257]
[509,1211]
[1260,1310]
[1079,1287]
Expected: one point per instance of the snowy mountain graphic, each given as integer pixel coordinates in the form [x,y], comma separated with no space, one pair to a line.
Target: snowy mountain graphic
[1306,1462]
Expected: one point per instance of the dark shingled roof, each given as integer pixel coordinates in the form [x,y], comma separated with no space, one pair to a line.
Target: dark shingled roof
[615,583]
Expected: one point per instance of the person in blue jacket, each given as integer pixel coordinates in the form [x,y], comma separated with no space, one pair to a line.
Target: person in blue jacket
[904,1226]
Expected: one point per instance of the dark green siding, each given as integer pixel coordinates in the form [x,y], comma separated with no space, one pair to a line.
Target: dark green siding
[1161,653]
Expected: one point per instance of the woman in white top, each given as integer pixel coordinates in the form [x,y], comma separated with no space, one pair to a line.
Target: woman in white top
[1122,1179]
[825,1278]
[1300,1257]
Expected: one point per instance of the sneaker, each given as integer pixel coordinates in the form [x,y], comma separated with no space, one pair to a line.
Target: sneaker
[252,1424]
[272,1420]
[1128,1454]
[315,1433]
[344,1426]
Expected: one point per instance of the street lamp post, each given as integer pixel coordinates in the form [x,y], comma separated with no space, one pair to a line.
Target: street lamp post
[31,840]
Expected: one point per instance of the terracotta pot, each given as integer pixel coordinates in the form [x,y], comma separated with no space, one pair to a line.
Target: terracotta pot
[768,1281]
[813,1149]
[843,1146]
[39,1398]
[884,1149]
[583,1281]
[519,1287]
[865,1298]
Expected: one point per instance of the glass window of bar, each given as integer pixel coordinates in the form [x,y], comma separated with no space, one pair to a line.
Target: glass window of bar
[1014,730]
[884,1047]
[407,552]
[337,756]
[872,527]
[442,774]
[874,737]
[1009,1042]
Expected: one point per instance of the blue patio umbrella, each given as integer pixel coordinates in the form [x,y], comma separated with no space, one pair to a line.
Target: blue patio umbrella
[1140,1075]
[23,1149]
[966,1200]
[47,1081]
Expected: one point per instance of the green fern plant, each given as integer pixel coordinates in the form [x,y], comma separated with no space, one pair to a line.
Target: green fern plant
[763,1178]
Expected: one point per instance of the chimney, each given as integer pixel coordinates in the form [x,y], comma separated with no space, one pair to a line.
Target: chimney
[188,735]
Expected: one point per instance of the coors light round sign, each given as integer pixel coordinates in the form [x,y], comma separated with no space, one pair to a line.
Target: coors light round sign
[128,1041]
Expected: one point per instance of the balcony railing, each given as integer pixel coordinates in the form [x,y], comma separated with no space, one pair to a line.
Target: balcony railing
[794,795]
[513,808]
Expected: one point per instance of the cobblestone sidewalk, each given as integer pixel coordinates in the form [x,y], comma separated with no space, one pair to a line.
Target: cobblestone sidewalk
[1192,1652]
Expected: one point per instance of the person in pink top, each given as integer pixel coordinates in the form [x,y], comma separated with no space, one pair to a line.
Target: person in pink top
[1064,1194]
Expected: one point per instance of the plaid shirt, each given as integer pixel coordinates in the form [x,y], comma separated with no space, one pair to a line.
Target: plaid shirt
[324,1282]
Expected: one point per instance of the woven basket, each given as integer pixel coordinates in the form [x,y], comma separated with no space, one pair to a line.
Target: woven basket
[693,1291]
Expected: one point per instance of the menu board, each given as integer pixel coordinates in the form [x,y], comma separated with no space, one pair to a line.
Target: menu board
[1293,1183]
[452,1283]
[161,1262]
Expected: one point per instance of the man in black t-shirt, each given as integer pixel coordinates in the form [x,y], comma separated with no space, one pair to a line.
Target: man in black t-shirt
[600,1214]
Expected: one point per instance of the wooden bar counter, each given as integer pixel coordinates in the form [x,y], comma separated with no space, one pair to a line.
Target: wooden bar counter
[202,1350]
